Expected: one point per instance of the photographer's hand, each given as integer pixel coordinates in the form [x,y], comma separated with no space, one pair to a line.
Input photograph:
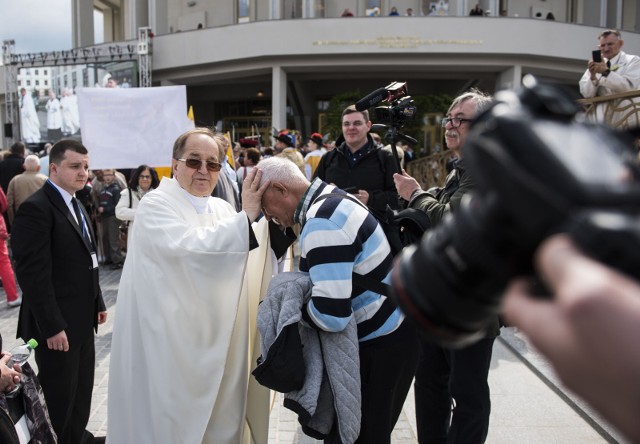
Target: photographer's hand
[589,330]
[406,185]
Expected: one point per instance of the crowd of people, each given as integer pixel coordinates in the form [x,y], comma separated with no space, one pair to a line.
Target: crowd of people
[202,247]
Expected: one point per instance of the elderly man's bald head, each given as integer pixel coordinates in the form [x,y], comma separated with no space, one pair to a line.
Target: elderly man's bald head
[32,163]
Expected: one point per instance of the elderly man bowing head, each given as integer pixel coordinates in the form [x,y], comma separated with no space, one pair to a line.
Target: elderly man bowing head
[179,359]
[340,237]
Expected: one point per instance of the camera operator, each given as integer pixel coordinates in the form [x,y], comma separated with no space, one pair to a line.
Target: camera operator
[357,165]
[588,331]
[445,374]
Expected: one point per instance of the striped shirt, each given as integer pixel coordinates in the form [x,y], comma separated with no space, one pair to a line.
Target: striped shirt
[340,236]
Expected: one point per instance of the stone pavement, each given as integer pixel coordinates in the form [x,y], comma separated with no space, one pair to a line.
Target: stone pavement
[529,405]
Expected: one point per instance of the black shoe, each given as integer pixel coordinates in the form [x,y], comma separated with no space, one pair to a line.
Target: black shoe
[99,439]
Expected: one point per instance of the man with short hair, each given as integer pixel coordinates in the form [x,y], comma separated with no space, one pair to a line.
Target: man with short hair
[183,295]
[12,165]
[616,73]
[54,248]
[107,200]
[452,379]
[24,185]
[340,237]
[357,163]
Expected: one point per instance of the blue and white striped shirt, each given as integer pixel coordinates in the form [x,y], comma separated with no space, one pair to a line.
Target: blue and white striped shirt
[340,237]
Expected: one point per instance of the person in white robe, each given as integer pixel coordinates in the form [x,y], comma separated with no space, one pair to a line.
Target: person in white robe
[182,336]
[70,114]
[618,72]
[30,123]
[54,117]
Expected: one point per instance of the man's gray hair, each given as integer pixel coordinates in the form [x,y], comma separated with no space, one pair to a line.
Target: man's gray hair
[283,170]
[479,98]
[31,162]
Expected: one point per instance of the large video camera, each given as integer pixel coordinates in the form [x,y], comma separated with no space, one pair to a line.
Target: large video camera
[401,107]
[538,169]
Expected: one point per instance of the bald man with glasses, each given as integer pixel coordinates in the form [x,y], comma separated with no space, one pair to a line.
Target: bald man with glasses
[445,377]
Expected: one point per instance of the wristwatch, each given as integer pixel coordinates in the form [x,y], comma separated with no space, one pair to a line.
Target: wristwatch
[606,73]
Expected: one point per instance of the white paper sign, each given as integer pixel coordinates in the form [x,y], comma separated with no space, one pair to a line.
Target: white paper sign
[128,127]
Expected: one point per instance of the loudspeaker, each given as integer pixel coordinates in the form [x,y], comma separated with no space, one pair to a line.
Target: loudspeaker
[8,130]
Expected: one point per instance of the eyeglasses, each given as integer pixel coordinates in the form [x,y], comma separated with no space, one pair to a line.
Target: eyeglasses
[197,163]
[357,124]
[454,121]
[145,177]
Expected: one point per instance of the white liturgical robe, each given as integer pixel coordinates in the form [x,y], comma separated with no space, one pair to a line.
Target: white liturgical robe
[179,367]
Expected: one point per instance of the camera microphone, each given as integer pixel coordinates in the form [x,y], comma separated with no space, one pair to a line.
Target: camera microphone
[372,99]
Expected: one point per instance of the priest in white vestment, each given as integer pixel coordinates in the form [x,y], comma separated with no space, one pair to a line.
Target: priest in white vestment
[70,114]
[29,121]
[180,349]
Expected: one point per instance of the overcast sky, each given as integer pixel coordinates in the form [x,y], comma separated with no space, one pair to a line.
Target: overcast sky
[36,25]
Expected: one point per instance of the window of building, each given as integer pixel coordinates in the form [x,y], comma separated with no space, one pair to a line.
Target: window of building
[28,82]
[323,105]
[319,9]
[37,82]
[46,83]
[36,72]
[45,72]
[243,11]
[291,9]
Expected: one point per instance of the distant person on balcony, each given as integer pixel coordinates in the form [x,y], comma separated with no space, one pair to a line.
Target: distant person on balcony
[346,13]
[618,72]
[394,11]
[477,10]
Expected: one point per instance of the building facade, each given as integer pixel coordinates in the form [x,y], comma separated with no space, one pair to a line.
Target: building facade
[254,65]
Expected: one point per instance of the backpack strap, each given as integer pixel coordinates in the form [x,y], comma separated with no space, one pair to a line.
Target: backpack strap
[360,280]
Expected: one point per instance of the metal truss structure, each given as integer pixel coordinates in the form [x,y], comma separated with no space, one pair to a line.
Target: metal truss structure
[140,50]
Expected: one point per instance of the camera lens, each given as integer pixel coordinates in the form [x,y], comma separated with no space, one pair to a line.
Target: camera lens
[450,284]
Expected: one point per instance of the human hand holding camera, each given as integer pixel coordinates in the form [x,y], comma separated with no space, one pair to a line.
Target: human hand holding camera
[588,329]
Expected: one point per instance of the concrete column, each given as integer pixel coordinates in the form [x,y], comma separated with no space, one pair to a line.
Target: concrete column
[510,78]
[82,23]
[276,9]
[278,98]
[159,17]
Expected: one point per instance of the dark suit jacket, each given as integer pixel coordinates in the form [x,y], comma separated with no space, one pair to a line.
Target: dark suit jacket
[60,288]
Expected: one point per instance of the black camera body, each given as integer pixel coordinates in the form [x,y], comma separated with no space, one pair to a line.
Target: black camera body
[397,113]
[401,107]
[538,169]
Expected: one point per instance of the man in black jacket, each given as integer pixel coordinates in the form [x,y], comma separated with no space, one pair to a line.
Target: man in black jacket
[358,166]
[57,268]
[10,167]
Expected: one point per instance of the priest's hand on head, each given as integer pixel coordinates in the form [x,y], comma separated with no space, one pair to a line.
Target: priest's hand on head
[252,192]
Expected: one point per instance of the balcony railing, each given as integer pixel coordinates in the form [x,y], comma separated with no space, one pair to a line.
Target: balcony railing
[617,110]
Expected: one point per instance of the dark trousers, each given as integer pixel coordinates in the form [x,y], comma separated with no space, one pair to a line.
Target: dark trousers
[387,367]
[67,383]
[444,374]
[111,239]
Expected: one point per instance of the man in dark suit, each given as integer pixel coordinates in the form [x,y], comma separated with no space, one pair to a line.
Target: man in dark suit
[57,268]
